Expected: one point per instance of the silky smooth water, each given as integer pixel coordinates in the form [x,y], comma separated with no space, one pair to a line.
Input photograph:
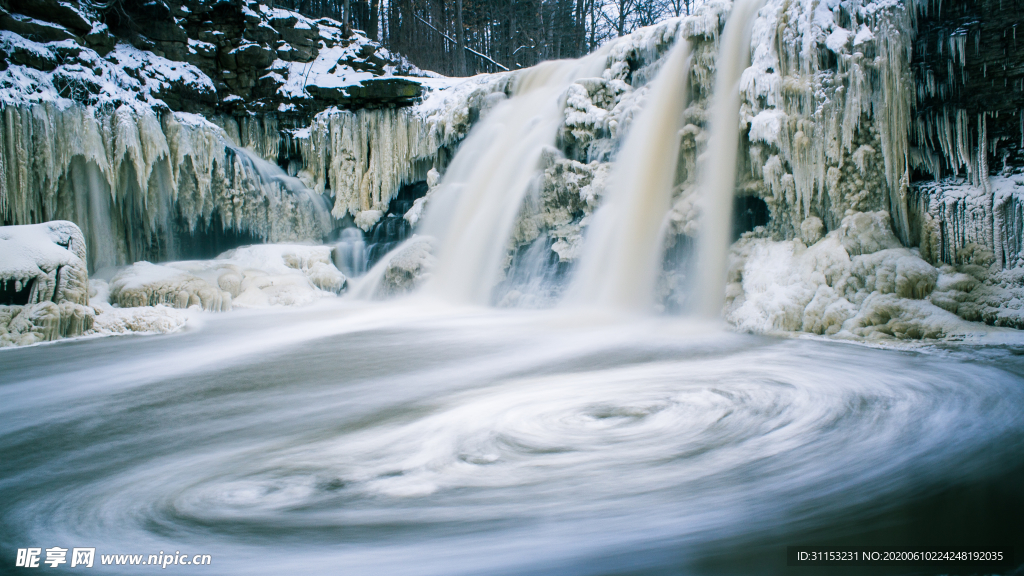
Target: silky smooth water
[410,438]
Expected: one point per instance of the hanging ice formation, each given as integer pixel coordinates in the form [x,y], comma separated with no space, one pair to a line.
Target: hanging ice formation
[128,177]
[364,157]
[827,101]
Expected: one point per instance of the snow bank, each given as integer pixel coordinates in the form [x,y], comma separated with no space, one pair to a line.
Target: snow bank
[111,321]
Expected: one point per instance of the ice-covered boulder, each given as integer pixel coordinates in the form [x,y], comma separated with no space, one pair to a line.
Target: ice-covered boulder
[400,271]
[44,284]
[43,262]
[43,321]
[409,267]
[146,284]
[248,277]
[857,281]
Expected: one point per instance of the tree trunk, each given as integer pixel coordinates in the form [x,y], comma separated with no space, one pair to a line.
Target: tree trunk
[460,41]
[374,23]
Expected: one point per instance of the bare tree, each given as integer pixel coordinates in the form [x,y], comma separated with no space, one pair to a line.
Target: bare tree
[460,44]
[464,37]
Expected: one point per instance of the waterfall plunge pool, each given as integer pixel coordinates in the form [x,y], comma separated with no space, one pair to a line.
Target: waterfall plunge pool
[410,438]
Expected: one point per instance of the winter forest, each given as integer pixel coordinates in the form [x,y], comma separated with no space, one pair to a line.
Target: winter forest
[493,287]
[493,35]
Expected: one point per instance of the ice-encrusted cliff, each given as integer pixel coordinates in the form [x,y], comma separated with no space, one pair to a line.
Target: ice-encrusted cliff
[131,177]
[102,132]
[842,127]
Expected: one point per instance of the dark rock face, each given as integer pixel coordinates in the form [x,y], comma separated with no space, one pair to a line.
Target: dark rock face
[247,49]
[33,29]
[969,70]
[55,11]
[371,93]
[236,43]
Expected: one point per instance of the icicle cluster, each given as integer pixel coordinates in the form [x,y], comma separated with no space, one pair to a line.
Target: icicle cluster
[961,222]
[827,102]
[128,177]
[362,158]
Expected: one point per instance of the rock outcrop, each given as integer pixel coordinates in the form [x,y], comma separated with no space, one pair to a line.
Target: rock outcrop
[44,285]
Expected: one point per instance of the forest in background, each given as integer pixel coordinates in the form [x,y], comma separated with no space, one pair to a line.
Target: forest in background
[466,37]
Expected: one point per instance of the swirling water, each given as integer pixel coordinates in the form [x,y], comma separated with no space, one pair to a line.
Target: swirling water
[404,438]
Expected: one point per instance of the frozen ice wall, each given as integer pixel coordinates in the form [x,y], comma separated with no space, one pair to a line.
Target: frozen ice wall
[130,177]
[823,126]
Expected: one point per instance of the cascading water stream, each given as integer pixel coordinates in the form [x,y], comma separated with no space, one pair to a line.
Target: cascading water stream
[718,168]
[622,252]
[474,209]
[269,175]
[92,207]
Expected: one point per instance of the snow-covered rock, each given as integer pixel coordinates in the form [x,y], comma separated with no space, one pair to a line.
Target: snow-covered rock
[44,284]
[399,272]
[248,277]
[857,281]
[43,262]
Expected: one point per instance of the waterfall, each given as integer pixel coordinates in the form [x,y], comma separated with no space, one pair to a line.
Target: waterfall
[718,177]
[278,186]
[349,253]
[622,253]
[476,203]
[92,208]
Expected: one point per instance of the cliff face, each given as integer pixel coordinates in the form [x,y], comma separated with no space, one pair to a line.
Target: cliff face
[967,205]
[256,58]
[160,116]
[969,75]
[152,123]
